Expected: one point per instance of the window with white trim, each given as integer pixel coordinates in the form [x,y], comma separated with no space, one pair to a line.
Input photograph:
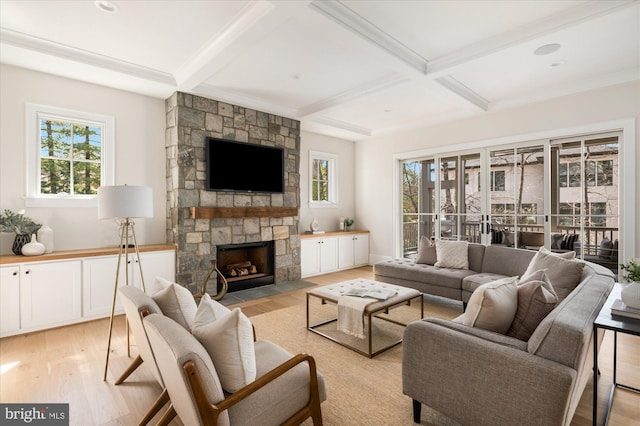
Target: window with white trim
[323,187]
[69,155]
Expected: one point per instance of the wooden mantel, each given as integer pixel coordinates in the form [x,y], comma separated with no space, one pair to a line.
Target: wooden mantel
[229,212]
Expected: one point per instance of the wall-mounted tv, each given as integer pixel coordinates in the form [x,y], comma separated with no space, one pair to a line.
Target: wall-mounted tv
[243,167]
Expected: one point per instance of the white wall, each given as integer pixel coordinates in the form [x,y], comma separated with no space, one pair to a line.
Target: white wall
[328,217]
[140,154]
[374,157]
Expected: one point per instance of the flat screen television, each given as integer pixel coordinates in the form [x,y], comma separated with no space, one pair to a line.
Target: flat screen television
[243,167]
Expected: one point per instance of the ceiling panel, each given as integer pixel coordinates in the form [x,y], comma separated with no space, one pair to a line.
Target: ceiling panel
[585,57]
[435,28]
[298,71]
[160,35]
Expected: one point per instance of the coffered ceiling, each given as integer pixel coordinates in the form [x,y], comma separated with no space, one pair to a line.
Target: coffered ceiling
[350,68]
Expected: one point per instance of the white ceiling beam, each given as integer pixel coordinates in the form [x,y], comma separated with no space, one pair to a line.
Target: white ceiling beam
[235,98]
[363,131]
[350,95]
[463,91]
[350,20]
[47,47]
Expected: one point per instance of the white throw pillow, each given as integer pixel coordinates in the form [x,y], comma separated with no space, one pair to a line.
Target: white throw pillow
[452,254]
[209,311]
[493,305]
[229,342]
[175,301]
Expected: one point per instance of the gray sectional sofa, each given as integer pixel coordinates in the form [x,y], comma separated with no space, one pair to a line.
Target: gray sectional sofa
[486,263]
[479,377]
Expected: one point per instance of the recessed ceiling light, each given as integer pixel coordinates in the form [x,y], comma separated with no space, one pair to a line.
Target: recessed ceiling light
[106,6]
[547,49]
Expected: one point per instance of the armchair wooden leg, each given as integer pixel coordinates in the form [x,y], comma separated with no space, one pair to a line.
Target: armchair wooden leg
[417,408]
[167,416]
[130,369]
[157,405]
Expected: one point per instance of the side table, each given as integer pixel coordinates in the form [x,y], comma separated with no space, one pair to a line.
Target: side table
[617,324]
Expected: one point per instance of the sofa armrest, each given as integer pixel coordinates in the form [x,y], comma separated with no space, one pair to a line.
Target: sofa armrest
[479,381]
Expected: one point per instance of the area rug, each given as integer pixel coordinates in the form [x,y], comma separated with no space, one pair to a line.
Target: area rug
[360,391]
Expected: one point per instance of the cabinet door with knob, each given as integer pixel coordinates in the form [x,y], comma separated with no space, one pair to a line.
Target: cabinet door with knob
[318,255]
[353,250]
[50,293]
[9,299]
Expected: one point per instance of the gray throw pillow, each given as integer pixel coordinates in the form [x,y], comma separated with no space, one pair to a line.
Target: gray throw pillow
[426,252]
[536,299]
[564,274]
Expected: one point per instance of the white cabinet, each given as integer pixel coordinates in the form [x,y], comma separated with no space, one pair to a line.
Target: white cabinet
[330,253]
[353,250]
[50,293]
[39,294]
[99,278]
[318,255]
[9,299]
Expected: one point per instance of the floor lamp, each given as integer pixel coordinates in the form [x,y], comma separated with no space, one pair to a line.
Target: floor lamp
[123,203]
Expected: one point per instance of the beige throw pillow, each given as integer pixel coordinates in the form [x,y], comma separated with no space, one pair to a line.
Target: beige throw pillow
[452,254]
[175,301]
[426,252]
[209,311]
[563,274]
[536,298]
[229,342]
[493,305]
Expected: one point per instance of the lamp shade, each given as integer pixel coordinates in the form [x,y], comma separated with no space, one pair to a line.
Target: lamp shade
[122,201]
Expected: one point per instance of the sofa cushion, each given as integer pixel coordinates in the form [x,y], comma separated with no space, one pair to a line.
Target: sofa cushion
[405,269]
[229,342]
[536,298]
[564,274]
[472,282]
[493,305]
[506,261]
[175,301]
[426,252]
[452,254]
[208,311]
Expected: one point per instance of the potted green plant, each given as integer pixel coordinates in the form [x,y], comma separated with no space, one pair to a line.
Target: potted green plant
[631,290]
[347,223]
[20,225]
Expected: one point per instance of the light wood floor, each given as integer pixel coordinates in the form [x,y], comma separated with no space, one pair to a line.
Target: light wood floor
[66,365]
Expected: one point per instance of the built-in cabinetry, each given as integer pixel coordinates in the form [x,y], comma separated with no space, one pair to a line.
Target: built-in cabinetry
[67,287]
[333,251]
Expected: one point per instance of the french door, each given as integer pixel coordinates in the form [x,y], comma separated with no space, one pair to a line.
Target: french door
[561,194]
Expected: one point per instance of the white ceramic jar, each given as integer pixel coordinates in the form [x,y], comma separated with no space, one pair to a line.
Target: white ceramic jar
[34,248]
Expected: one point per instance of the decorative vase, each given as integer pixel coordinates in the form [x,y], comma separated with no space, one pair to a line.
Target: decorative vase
[19,241]
[45,236]
[34,248]
[631,294]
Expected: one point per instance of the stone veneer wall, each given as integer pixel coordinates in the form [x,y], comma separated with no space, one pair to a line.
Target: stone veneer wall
[190,119]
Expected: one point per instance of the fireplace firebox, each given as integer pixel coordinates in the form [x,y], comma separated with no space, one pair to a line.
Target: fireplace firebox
[246,265]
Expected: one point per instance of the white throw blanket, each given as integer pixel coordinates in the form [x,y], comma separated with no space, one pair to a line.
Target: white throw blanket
[351,314]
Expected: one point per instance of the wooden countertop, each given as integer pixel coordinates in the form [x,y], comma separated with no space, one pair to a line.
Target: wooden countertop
[73,254]
[333,234]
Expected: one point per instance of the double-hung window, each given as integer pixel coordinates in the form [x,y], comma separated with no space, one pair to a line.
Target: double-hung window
[69,155]
[323,189]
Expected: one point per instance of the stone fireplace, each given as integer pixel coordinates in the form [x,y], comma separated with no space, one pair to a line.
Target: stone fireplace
[200,221]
